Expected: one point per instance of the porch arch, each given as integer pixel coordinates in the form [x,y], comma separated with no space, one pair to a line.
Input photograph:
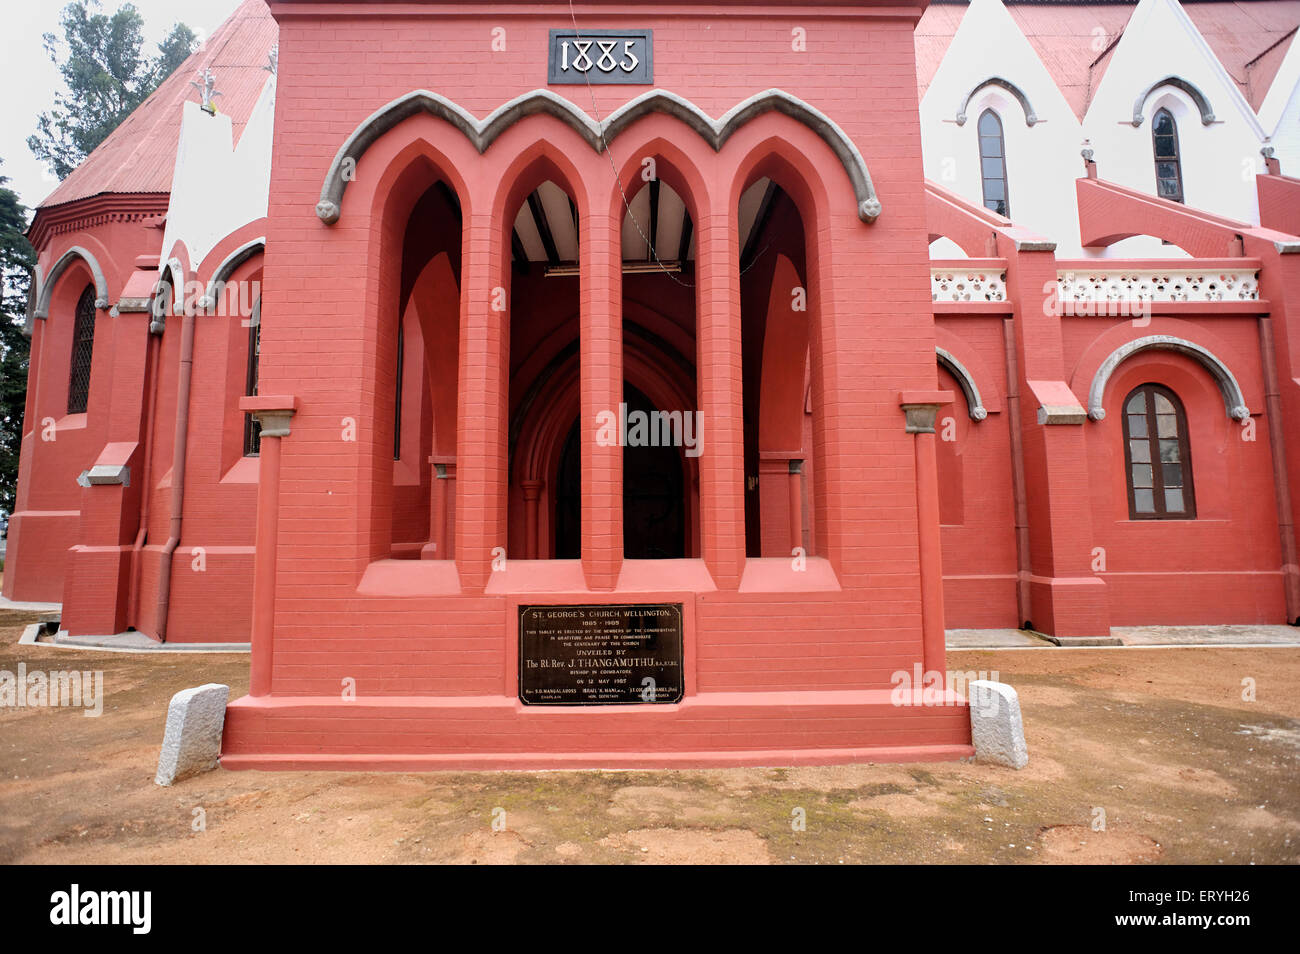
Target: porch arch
[412,265]
[482,133]
[541,422]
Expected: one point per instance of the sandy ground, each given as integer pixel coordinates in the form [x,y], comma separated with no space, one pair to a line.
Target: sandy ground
[1157,742]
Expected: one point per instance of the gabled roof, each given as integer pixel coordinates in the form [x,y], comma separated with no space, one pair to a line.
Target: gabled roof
[1250,39]
[1075,39]
[934,33]
[140,155]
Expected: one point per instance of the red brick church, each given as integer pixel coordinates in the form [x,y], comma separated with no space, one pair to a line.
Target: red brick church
[536,385]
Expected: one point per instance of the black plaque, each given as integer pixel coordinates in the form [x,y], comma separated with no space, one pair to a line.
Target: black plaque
[601,56]
[600,655]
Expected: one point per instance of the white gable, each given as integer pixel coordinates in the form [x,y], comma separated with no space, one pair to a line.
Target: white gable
[1042,158]
[1219,158]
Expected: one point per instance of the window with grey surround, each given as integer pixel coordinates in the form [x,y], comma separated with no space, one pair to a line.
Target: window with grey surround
[993,164]
[1157,456]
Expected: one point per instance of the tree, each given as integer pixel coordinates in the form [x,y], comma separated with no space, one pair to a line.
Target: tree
[107,75]
[16,261]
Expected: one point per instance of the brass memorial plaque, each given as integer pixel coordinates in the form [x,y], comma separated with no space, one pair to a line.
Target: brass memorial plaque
[600,654]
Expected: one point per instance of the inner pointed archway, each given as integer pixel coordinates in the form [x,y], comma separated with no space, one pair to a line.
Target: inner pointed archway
[654,483]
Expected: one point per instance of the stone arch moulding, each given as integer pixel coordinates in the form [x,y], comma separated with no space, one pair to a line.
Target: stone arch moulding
[174,270]
[1233,399]
[974,402]
[227,268]
[1019,94]
[66,259]
[1177,82]
[482,133]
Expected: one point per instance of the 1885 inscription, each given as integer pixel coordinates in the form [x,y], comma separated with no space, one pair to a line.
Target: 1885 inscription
[600,654]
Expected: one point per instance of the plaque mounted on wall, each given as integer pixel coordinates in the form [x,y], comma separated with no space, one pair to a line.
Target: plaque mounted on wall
[601,57]
[600,654]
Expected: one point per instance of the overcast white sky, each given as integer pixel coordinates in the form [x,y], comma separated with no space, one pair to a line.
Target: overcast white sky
[29,79]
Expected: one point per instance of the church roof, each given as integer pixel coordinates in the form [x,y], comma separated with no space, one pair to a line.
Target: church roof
[140,155]
[1250,39]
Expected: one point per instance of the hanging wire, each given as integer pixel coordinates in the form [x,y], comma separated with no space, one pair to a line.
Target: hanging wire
[600,123]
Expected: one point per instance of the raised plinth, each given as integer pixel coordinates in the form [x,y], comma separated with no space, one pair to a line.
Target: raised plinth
[403,733]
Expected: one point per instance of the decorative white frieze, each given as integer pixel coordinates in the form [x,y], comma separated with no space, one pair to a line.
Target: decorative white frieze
[1130,284]
[967,284]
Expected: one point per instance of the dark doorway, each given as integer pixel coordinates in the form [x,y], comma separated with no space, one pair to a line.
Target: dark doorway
[568,500]
[654,513]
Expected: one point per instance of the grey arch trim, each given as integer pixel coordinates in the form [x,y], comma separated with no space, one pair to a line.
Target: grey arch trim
[33,290]
[1233,399]
[1030,116]
[966,380]
[1177,82]
[173,273]
[482,133]
[227,268]
[56,272]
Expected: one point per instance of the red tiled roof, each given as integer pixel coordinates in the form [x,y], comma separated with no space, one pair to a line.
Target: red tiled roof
[140,155]
[934,33]
[1250,40]
[1070,42]
[1247,39]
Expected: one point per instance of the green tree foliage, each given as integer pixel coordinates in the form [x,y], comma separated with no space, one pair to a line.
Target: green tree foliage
[107,75]
[16,261]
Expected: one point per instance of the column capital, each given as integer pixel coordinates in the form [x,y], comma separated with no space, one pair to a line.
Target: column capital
[921,408]
[272,411]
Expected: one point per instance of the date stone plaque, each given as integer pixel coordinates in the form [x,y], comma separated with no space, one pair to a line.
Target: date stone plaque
[601,654]
[601,57]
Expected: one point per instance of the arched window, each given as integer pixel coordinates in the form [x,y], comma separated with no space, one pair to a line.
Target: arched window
[1157,455]
[1169,169]
[252,429]
[993,164]
[83,346]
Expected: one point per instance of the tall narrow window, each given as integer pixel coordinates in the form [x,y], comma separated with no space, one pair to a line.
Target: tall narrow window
[83,346]
[993,164]
[1169,168]
[1157,456]
[252,429]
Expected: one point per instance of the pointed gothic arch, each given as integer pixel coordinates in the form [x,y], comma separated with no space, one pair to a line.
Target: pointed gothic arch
[1018,94]
[482,133]
[42,309]
[1177,82]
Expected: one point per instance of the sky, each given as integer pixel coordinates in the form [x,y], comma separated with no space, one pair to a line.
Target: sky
[30,79]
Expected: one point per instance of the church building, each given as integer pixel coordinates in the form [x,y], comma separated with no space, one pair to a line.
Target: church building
[601,384]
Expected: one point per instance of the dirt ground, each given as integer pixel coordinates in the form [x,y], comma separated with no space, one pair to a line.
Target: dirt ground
[1158,743]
